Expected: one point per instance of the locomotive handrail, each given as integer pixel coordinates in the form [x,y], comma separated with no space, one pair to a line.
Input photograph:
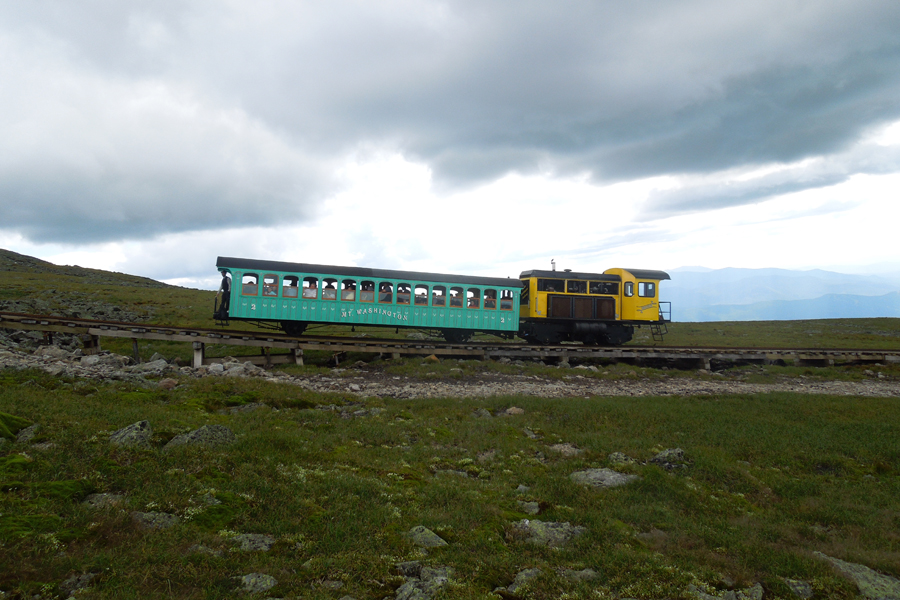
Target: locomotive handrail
[665,311]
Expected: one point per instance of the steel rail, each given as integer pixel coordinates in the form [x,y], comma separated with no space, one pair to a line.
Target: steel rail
[91,330]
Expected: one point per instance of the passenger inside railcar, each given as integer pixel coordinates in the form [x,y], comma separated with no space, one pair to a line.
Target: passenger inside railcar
[348,290]
[330,290]
[367,291]
[310,288]
[386,292]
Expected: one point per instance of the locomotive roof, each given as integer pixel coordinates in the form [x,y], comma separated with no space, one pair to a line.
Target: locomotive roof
[638,273]
[411,276]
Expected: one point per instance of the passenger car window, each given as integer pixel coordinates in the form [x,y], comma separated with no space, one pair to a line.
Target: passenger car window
[348,290]
[490,299]
[270,285]
[506,300]
[456,297]
[646,289]
[367,291]
[403,293]
[310,288]
[386,292]
[474,298]
[439,296]
[249,283]
[421,295]
[329,291]
[289,287]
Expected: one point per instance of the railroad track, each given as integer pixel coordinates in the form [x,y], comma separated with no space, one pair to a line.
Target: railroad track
[293,348]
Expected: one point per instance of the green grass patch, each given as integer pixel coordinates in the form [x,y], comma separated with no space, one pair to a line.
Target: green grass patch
[768,480]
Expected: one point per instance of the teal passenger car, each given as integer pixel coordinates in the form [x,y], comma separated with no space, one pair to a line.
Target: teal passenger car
[292,296]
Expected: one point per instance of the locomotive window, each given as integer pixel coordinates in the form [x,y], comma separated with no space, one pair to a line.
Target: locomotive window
[605,287]
[456,297]
[289,286]
[474,298]
[576,287]
[403,293]
[439,296]
[551,285]
[629,288]
[386,292]
[490,299]
[329,292]
[367,291]
[421,295]
[506,299]
[270,285]
[249,282]
[348,290]
[646,289]
[310,288]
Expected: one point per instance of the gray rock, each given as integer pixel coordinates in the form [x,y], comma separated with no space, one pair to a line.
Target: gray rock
[801,589]
[73,584]
[669,459]
[530,508]
[208,435]
[411,569]
[582,575]
[154,520]
[522,579]
[601,478]
[157,366]
[216,369]
[256,583]
[253,542]
[567,449]
[201,549]
[425,586]
[26,435]
[137,435]
[425,538]
[523,489]
[157,356]
[751,593]
[871,584]
[482,413]
[620,458]
[549,533]
[103,500]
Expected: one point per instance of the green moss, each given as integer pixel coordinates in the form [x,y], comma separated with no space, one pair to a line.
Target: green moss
[10,425]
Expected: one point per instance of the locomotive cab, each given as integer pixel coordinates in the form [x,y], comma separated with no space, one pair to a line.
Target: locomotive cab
[593,308]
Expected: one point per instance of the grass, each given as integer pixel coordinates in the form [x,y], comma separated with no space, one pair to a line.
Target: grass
[770,479]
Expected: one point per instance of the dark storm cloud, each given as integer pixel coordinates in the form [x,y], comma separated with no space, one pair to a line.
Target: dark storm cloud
[254,104]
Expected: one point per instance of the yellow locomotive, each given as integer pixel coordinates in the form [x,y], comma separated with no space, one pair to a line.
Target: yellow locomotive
[593,308]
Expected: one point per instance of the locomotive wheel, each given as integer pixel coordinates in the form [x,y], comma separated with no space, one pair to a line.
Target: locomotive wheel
[294,328]
[457,336]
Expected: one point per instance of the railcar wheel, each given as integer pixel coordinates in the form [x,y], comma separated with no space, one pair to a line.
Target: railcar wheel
[457,336]
[294,328]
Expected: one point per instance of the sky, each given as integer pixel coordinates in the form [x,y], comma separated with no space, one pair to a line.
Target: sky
[485,138]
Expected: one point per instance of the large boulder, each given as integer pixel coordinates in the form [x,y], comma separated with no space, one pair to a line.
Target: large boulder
[208,435]
[601,478]
[135,435]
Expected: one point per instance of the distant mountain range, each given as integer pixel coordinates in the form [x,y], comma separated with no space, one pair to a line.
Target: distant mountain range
[699,294]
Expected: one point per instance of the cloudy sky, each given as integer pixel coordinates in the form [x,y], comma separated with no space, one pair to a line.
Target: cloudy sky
[150,137]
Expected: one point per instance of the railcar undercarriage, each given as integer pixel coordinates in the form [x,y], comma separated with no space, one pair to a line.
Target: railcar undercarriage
[590,333]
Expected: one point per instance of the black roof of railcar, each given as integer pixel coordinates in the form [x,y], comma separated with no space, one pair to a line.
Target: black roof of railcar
[411,276]
[638,273]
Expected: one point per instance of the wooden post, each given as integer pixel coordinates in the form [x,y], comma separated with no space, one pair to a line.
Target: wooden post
[134,351]
[298,356]
[199,354]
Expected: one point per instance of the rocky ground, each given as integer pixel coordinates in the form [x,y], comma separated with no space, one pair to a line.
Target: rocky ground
[370,380]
